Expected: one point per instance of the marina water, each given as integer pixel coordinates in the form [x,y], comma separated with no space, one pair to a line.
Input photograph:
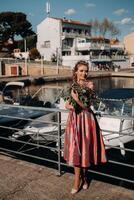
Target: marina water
[100,84]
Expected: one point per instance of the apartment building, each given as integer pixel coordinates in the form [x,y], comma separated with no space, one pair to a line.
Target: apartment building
[68,41]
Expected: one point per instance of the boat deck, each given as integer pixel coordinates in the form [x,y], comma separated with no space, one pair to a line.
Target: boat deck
[28,181]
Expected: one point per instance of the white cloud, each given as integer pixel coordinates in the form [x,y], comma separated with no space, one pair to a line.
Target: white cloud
[120,11]
[127,21]
[90,5]
[70,11]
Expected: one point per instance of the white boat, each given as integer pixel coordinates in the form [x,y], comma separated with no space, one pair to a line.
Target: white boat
[41,130]
[12,92]
[14,116]
[15,94]
[115,117]
[45,128]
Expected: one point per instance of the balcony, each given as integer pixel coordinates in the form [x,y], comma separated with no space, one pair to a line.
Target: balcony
[101,58]
[66,48]
[83,46]
[118,57]
[100,46]
[118,46]
[74,35]
[91,46]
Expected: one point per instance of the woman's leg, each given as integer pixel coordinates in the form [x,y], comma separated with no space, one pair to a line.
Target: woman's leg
[76,177]
[85,181]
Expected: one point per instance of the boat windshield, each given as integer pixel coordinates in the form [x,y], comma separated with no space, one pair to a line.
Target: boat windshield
[49,94]
[115,108]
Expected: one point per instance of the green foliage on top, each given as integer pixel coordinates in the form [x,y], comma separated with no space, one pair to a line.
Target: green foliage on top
[14,24]
[34,54]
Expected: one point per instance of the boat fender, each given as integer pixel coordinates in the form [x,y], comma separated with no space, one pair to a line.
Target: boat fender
[122,148]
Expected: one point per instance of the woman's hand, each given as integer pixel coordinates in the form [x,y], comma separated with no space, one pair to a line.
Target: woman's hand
[74,94]
[68,105]
[90,85]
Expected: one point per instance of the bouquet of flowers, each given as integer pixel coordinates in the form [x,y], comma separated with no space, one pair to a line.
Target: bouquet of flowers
[85,95]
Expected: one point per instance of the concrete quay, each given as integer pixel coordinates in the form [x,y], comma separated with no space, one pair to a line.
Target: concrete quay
[128,73]
[22,180]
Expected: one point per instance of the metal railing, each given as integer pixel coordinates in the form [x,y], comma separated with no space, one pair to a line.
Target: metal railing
[23,147]
[22,61]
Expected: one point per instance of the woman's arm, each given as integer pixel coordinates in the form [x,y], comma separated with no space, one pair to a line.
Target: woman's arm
[76,98]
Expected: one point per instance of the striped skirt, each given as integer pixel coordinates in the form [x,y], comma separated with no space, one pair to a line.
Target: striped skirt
[83,142]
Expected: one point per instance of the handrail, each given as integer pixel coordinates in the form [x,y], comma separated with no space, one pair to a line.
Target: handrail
[58,149]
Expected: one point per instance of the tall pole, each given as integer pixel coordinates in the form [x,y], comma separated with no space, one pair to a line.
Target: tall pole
[42,66]
[0,67]
[57,55]
[25,49]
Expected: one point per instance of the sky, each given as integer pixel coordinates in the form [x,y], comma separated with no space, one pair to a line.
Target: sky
[121,12]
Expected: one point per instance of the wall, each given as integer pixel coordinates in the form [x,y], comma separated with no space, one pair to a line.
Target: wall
[129,43]
[38,70]
[49,30]
[72,60]
[17,65]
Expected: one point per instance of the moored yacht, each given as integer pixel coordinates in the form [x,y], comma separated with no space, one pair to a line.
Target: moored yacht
[115,116]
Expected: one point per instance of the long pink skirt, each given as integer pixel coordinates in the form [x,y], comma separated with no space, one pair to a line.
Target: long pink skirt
[83,142]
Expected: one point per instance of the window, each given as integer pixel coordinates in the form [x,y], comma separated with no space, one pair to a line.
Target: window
[132,64]
[16,50]
[46,44]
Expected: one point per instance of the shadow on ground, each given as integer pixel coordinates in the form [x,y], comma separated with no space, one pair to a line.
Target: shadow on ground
[42,156]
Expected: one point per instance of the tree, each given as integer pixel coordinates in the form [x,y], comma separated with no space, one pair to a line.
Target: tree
[113,30]
[14,24]
[104,28]
[34,54]
[30,43]
[95,25]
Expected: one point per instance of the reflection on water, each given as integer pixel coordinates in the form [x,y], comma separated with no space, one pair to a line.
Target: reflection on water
[101,84]
[116,82]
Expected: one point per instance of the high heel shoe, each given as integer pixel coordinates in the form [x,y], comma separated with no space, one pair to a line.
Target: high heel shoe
[85,183]
[74,191]
[85,186]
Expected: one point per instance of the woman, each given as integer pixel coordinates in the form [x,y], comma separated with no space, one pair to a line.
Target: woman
[83,144]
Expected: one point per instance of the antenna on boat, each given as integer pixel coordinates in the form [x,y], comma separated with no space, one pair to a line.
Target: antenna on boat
[48,9]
